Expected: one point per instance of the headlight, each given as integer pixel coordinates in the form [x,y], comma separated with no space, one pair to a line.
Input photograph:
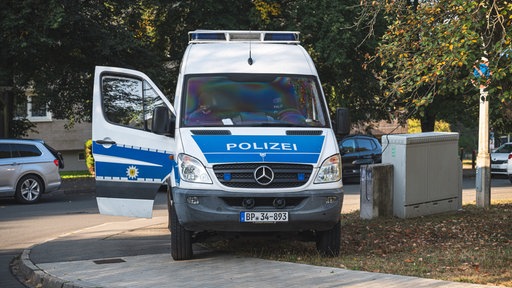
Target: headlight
[330,171]
[192,170]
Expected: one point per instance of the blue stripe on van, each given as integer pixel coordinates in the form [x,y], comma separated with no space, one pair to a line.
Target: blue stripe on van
[132,163]
[242,148]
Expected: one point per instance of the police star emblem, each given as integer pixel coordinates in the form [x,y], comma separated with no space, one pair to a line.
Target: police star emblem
[132,172]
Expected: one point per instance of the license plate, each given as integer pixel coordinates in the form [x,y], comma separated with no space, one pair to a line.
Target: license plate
[263,217]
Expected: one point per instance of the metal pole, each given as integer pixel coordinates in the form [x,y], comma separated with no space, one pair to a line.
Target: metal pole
[483,159]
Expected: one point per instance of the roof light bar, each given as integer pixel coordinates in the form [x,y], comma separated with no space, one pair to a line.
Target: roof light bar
[205,36]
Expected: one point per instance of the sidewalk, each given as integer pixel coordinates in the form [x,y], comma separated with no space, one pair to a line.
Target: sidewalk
[136,253]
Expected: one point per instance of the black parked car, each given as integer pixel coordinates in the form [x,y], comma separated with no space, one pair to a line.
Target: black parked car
[357,150]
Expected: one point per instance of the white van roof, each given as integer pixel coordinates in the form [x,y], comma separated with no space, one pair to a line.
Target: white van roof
[212,51]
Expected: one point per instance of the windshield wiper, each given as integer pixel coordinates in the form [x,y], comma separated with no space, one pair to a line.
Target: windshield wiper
[273,124]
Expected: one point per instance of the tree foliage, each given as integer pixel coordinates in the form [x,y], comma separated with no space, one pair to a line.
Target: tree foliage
[428,52]
[339,49]
[380,59]
[53,46]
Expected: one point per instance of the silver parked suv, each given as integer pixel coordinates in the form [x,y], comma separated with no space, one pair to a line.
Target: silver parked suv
[28,168]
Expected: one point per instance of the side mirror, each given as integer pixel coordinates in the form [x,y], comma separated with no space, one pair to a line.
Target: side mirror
[163,121]
[342,122]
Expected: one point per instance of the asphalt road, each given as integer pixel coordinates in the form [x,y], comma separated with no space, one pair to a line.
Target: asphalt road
[62,212]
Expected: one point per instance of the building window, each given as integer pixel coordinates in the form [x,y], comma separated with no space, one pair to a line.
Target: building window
[37,110]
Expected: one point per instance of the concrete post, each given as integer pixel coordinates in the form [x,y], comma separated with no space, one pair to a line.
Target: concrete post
[483,159]
[376,191]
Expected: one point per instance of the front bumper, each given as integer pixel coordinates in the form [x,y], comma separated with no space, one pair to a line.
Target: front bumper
[211,210]
[499,168]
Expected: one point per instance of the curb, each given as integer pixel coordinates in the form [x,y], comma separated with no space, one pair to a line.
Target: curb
[35,277]
[31,275]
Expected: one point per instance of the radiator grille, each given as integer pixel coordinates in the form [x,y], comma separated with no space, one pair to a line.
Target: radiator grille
[242,175]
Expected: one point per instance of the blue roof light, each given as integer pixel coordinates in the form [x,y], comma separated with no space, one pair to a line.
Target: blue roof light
[207,36]
[281,36]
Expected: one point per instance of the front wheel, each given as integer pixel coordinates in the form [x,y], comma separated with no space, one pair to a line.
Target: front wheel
[29,189]
[510,179]
[328,242]
[181,239]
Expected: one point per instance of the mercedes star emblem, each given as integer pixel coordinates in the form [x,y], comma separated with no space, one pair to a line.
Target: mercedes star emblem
[263,175]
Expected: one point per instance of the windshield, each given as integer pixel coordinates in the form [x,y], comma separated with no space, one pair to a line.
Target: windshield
[253,100]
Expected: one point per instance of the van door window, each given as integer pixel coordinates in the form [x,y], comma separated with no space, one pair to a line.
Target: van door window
[129,102]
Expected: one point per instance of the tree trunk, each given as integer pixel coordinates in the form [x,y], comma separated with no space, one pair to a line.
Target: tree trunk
[6,111]
[428,120]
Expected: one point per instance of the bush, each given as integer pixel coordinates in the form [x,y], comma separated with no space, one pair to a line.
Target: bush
[89,159]
[415,126]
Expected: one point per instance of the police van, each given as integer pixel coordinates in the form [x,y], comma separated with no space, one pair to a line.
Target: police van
[247,145]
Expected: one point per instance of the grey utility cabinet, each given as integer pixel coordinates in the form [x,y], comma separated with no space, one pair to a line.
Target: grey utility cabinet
[427,176]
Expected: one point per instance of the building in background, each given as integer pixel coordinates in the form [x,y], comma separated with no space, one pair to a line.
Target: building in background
[70,142]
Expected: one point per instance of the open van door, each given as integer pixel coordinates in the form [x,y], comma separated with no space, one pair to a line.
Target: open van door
[133,157]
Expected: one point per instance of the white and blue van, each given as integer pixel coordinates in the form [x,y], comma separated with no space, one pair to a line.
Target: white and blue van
[248,145]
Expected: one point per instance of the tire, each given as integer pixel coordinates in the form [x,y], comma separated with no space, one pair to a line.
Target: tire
[181,239]
[328,242]
[29,189]
[510,179]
